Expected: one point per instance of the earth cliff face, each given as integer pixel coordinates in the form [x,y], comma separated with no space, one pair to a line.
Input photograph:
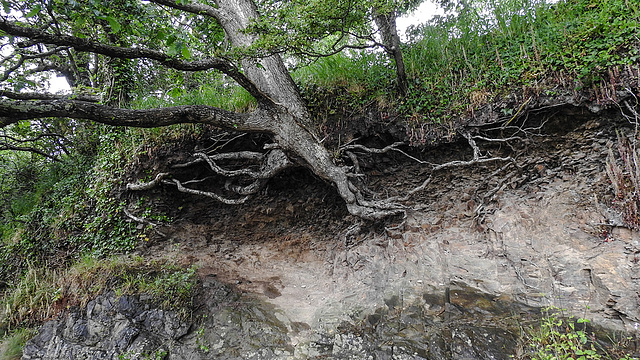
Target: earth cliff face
[291,276]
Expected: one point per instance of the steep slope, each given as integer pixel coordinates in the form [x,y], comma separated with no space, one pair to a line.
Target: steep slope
[292,276]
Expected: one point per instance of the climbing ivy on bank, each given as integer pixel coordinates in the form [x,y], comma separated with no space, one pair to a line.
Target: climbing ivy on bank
[53,212]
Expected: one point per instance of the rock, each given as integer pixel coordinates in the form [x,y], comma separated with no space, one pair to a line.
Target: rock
[443,286]
[109,326]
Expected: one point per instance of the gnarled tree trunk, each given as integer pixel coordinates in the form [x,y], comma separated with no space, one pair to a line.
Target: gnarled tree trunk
[288,118]
[281,111]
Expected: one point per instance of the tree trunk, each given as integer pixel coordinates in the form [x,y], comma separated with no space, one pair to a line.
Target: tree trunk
[281,110]
[289,119]
[391,41]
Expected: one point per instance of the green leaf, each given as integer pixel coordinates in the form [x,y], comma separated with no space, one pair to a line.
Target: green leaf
[173,49]
[175,93]
[33,11]
[161,35]
[6,6]
[185,52]
[114,24]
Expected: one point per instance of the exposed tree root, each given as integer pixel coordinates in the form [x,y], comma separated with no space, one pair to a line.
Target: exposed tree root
[247,172]
[143,221]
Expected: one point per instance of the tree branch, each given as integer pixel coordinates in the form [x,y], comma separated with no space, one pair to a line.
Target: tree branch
[194,8]
[45,96]
[214,196]
[13,111]
[148,185]
[40,136]
[24,57]
[7,146]
[87,45]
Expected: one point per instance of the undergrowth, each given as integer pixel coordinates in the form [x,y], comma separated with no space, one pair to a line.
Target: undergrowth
[54,212]
[460,63]
[41,293]
[11,346]
[559,337]
[481,53]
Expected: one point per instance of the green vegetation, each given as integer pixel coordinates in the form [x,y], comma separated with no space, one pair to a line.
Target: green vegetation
[211,90]
[482,53]
[40,293]
[11,346]
[66,208]
[63,208]
[561,338]
[156,355]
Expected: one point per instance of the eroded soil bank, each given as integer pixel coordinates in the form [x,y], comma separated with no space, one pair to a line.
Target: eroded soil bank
[286,276]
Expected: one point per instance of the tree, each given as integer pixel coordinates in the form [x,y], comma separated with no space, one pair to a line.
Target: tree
[385,13]
[60,31]
[335,25]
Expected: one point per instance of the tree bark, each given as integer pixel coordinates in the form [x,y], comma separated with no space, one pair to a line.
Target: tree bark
[391,42]
[290,122]
[281,110]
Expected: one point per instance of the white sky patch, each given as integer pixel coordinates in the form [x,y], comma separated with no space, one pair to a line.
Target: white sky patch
[59,84]
[422,14]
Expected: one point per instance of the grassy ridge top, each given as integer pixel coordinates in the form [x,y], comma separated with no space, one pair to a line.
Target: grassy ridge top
[462,61]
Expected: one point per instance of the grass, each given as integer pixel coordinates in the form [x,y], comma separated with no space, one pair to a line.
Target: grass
[225,96]
[41,293]
[12,345]
[517,46]
[477,55]
[51,213]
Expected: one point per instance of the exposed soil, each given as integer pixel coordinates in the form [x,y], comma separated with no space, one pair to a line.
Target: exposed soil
[291,245]
[291,275]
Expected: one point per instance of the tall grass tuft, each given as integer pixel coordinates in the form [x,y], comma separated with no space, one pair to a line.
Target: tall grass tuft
[353,70]
[496,47]
[225,96]
[12,345]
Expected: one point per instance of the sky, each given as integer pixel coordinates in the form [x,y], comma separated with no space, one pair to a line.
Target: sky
[422,14]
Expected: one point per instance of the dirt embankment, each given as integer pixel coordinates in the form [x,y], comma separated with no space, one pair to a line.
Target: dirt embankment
[294,273]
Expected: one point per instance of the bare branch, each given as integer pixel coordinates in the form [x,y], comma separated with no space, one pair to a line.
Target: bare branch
[502,140]
[24,57]
[13,111]
[148,185]
[40,136]
[7,146]
[218,170]
[459,163]
[142,221]
[250,189]
[392,147]
[272,163]
[474,146]
[194,8]
[372,213]
[222,138]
